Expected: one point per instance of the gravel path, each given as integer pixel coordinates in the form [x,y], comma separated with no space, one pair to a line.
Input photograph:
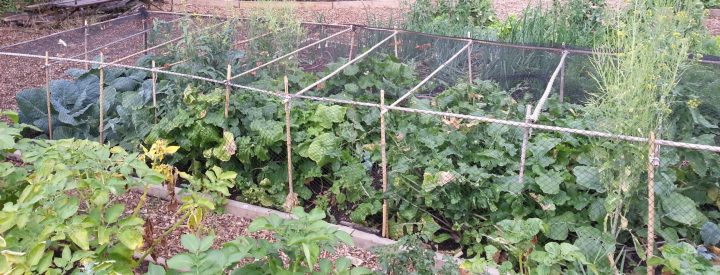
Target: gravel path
[225,227]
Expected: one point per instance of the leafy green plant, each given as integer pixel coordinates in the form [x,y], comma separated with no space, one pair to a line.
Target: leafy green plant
[575,23]
[301,239]
[409,253]
[682,258]
[451,18]
[58,216]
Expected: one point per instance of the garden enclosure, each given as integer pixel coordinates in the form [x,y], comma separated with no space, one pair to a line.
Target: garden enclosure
[470,142]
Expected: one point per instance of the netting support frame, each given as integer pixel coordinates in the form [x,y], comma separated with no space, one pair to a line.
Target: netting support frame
[541,103]
[527,132]
[383,158]
[431,75]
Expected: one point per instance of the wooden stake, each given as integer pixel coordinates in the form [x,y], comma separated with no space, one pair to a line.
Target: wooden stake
[653,161]
[469,54]
[47,94]
[395,42]
[101,100]
[291,199]
[352,44]
[154,89]
[523,149]
[383,156]
[145,35]
[227,90]
[85,45]
[562,81]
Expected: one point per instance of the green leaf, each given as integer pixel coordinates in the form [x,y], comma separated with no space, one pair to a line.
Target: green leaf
[79,236]
[682,209]
[181,262]
[588,177]
[549,183]
[325,116]
[114,212]
[191,242]
[351,70]
[351,88]
[322,147]
[155,270]
[131,238]
[709,232]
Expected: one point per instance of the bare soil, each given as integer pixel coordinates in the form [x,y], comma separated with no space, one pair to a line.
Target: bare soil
[225,228]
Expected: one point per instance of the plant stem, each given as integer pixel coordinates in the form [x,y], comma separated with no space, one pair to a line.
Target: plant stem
[165,234]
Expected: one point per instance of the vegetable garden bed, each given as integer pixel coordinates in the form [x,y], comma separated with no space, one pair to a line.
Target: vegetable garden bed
[483,148]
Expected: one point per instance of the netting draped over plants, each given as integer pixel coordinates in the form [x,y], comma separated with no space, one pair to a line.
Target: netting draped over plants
[391,130]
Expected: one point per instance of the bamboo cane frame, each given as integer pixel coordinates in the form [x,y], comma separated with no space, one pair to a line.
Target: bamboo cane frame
[523,148]
[85,43]
[288,136]
[653,162]
[548,88]
[101,102]
[431,75]
[526,125]
[484,119]
[469,60]
[47,94]
[289,54]
[164,43]
[154,91]
[383,155]
[352,43]
[227,90]
[338,70]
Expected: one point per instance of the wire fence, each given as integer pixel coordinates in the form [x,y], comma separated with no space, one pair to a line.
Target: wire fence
[414,114]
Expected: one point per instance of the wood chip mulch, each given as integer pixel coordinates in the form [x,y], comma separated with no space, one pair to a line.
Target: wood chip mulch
[225,228]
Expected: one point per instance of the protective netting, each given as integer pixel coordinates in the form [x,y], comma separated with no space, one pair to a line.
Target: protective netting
[481,139]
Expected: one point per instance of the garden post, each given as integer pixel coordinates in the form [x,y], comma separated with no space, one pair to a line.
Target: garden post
[653,162]
[85,45]
[523,149]
[227,89]
[352,43]
[291,199]
[145,30]
[101,100]
[154,90]
[562,80]
[395,43]
[383,156]
[469,53]
[47,93]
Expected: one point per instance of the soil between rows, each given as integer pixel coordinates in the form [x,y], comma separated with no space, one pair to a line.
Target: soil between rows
[225,227]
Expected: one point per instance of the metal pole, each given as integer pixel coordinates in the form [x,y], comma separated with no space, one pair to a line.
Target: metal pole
[154,89]
[383,156]
[101,101]
[653,162]
[523,150]
[227,90]
[47,94]
[291,199]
